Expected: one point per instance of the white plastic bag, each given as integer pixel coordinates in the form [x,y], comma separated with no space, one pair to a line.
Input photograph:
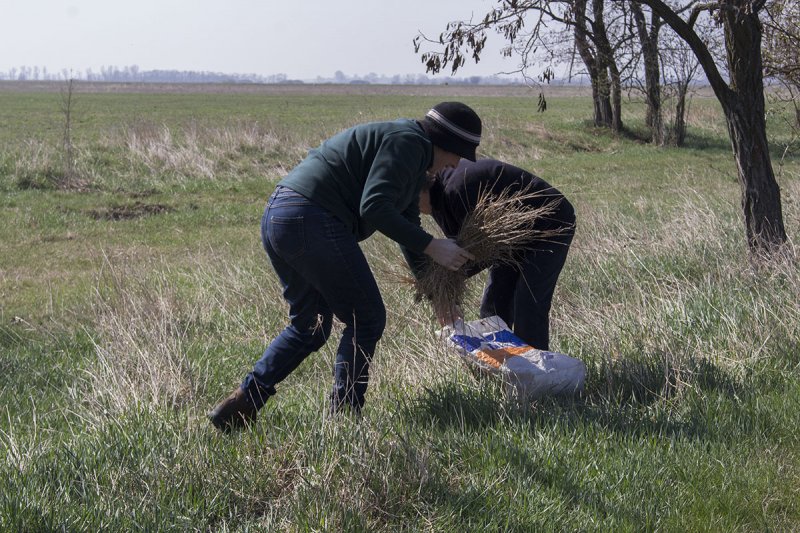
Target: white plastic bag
[527,372]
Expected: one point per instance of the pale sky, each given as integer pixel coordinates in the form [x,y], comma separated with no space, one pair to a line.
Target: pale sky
[302,39]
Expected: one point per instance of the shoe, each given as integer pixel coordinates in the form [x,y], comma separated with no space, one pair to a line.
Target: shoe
[340,406]
[234,412]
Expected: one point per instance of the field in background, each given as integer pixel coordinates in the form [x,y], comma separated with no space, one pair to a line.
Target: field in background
[134,294]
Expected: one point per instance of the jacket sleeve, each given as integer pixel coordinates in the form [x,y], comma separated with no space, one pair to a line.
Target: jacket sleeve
[417,261]
[394,177]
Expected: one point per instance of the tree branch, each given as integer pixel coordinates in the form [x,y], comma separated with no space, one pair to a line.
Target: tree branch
[696,10]
[687,33]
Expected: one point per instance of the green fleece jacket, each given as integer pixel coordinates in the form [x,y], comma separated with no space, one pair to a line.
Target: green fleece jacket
[370,177]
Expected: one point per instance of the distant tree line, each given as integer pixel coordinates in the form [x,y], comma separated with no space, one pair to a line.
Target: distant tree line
[133,74]
[416,79]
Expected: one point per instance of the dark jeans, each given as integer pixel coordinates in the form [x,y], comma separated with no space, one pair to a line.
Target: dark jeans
[323,273]
[522,297]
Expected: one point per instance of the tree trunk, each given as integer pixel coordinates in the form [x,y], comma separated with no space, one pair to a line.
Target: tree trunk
[680,115]
[607,65]
[652,71]
[603,114]
[761,196]
[744,112]
[654,117]
[616,98]
[598,76]
[657,133]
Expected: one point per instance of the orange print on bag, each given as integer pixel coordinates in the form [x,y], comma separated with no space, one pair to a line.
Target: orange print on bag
[496,358]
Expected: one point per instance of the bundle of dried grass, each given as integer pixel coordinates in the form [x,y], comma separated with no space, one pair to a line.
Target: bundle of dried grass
[497,231]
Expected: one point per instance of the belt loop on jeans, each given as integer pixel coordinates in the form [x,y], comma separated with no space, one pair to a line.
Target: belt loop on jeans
[275,192]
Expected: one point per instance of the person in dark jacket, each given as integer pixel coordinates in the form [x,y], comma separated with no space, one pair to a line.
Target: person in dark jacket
[522,296]
[365,179]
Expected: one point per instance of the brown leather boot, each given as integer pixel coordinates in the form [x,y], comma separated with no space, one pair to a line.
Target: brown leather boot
[234,412]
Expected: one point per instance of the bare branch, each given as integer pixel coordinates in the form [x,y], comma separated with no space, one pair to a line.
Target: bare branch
[687,33]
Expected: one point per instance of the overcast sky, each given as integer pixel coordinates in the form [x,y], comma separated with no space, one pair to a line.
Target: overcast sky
[302,39]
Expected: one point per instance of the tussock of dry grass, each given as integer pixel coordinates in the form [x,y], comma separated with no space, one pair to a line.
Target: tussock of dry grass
[42,166]
[497,231]
[197,151]
[159,150]
[35,155]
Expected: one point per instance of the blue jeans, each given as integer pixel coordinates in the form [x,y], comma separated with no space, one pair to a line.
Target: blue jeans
[523,296]
[323,273]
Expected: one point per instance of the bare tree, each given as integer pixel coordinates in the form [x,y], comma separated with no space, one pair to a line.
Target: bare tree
[69,151]
[742,100]
[782,48]
[595,50]
[524,24]
[648,32]
[680,67]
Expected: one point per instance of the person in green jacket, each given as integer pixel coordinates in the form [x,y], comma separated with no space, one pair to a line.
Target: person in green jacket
[365,179]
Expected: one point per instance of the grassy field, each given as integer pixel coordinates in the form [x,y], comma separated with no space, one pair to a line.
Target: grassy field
[135,294]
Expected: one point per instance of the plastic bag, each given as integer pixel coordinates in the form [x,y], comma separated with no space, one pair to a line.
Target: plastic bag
[527,372]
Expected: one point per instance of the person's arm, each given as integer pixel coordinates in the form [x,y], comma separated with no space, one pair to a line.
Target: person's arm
[445,251]
[395,172]
[418,263]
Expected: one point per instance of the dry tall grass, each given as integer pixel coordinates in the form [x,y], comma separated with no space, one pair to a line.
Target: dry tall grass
[497,231]
[157,148]
[668,307]
[39,165]
[207,152]
[639,304]
[159,154]
[141,345]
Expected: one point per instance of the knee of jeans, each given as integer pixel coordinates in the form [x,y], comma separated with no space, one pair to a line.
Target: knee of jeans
[366,325]
[375,323]
[316,331]
[322,330]
[369,326]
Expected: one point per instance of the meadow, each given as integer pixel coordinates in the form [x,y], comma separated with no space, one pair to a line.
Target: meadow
[134,294]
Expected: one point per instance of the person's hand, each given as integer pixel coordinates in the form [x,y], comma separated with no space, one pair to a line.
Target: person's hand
[448,314]
[447,253]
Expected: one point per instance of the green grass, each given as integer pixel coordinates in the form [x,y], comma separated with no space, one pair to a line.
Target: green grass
[137,295]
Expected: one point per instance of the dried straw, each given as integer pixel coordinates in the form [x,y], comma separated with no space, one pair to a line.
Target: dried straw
[497,231]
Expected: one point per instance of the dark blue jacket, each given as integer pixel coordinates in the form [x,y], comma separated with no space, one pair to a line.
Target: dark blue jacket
[455,193]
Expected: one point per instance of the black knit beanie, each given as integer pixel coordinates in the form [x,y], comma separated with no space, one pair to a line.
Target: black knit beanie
[454,127]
